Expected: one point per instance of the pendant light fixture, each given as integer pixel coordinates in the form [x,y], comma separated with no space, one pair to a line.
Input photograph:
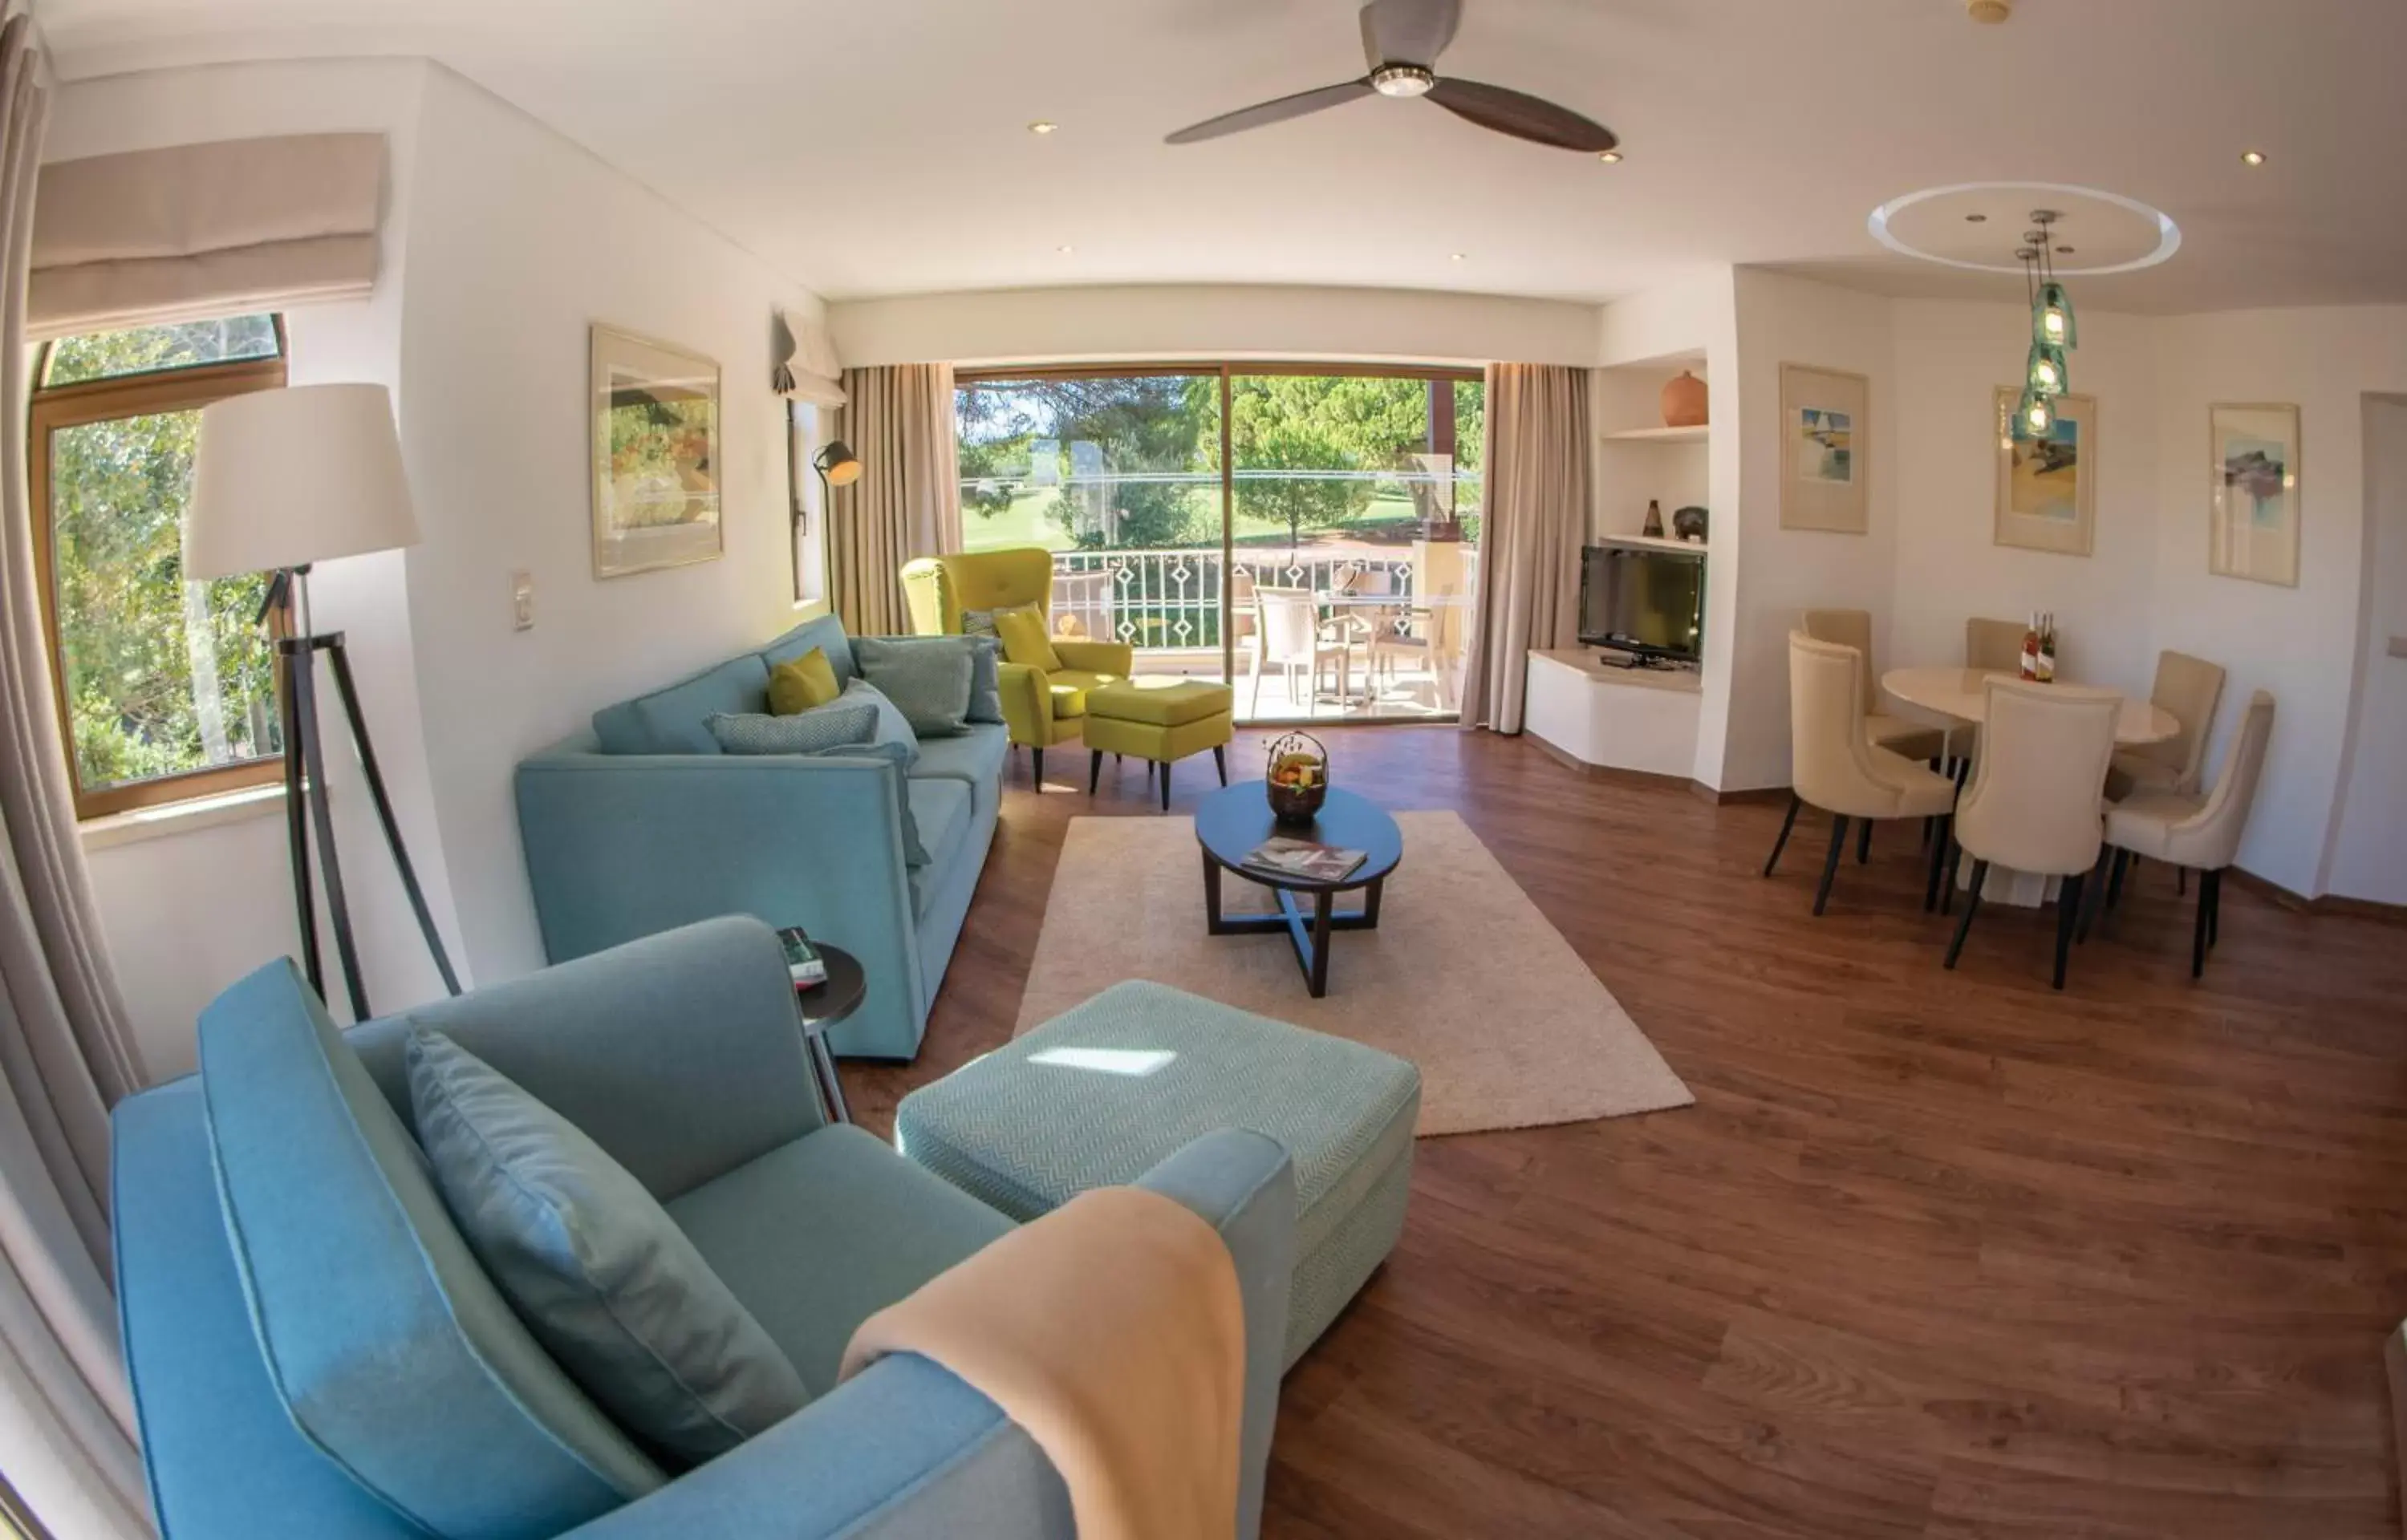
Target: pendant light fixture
[2046,371]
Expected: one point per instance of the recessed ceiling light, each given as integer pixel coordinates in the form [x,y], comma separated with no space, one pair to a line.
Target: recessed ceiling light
[2252,156]
[1065,250]
[1456,258]
[2064,251]
[1610,157]
[1976,219]
[1041,126]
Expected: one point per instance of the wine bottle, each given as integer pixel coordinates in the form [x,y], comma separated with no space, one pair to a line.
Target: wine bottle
[2048,648]
[2030,660]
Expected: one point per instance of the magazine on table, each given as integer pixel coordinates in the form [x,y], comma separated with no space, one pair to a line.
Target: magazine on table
[1303,860]
[804,964]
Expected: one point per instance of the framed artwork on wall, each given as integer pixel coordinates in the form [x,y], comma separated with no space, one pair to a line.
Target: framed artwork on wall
[2253,492]
[656,460]
[1826,450]
[2047,487]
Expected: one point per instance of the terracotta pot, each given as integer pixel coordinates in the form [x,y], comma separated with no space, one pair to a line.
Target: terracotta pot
[1684,402]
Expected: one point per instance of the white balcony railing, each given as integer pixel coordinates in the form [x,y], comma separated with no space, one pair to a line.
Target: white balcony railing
[1171,600]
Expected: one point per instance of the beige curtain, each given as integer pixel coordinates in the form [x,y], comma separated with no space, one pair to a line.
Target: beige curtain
[1533,522]
[65,1049]
[195,230]
[907,503]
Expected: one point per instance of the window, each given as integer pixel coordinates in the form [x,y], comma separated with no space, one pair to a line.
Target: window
[1171,494]
[166,688]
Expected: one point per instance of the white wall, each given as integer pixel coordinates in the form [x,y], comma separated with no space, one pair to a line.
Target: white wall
[1789,320]
[519,239]
[1949,358]
[1211,321]
[2300,644]
[2368,845]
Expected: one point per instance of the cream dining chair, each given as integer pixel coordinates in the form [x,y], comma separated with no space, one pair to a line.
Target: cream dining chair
[1290,637]
[1835,767]
[1854,628]
[2190,688]
[2033,804]
[2195,831]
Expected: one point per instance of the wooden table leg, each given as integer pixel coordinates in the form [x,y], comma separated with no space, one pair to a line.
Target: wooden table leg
[1210,894]
[1371,902]
[1321,904]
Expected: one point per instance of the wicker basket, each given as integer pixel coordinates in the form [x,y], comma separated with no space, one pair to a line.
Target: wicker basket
[1297,803]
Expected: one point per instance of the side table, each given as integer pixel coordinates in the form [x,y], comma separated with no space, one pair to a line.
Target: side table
[822,1006]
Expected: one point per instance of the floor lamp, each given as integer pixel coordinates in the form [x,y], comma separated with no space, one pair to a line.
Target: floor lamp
[284,480]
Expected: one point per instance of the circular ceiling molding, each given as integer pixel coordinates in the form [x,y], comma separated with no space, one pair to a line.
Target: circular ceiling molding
[1977,226]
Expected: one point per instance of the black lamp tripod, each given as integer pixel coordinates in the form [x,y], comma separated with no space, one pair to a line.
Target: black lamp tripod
[305,782]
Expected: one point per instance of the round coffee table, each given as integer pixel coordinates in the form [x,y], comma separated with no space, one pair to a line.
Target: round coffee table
[823,1005]
[1230,824]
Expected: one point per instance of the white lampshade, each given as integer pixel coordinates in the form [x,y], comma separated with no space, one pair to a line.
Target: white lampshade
[284,478]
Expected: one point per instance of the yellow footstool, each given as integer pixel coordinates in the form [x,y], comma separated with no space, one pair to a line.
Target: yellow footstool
[1158,720]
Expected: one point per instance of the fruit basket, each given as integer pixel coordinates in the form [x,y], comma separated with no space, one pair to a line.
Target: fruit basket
[1297,778]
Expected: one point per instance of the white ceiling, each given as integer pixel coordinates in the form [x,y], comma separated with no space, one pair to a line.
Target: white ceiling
[879,147]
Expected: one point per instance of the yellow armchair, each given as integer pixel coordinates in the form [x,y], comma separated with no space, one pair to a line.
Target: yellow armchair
[1041,708]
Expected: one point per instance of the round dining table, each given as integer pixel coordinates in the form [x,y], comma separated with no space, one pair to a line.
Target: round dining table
[1962,696]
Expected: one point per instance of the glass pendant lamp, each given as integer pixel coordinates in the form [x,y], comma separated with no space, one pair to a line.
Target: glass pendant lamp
[2052,322]
[2046,371]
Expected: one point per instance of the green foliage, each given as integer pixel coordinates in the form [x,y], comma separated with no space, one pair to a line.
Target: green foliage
[132,631]
[104,355]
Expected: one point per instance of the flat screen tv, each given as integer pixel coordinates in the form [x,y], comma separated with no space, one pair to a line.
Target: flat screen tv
[1646,601]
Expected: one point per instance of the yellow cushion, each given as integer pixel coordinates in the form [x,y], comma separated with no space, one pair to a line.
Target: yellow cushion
[1162,703]
[1024,640]
[1070,689]
[803,683]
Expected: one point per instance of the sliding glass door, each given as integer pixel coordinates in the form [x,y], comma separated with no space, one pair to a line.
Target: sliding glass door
[1308,533]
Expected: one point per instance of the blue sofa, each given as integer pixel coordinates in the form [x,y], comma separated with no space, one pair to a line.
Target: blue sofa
[314,1351]
[642,825]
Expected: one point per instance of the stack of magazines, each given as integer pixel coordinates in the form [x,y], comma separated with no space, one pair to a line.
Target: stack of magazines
[1303,860]
[804,964]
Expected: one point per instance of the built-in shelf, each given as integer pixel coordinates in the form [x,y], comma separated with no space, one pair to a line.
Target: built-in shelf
[1659,436]
[1654,542]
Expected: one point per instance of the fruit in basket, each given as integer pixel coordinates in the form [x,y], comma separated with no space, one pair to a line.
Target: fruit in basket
[1297,769]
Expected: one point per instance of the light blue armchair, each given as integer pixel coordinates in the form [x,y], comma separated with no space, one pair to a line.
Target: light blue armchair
[314,1352]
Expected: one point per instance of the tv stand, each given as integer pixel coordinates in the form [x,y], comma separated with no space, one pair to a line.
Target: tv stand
[1612,657]
[1616,710]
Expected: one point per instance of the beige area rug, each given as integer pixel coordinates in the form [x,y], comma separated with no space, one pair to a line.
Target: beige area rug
[1463,976]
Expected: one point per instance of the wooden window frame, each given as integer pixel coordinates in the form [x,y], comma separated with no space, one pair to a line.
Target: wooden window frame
[184,389]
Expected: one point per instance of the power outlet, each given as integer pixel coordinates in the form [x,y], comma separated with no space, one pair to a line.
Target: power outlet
[522,601]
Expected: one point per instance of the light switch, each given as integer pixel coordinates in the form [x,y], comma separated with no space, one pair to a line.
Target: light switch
[522,600]
[2398,646]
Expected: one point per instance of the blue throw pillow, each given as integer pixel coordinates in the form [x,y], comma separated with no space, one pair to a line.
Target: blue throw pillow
[593,1265]
[838,723]
[929,679]
[914,853]
[893,726]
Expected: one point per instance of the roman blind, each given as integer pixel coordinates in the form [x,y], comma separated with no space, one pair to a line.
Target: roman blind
[160,235]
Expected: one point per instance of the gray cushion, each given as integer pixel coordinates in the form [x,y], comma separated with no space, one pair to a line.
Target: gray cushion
[817,1235]
[893,726]
[928,679]
[832,726]
[593,1265]
[389,1346]
[677,719]
[985,654]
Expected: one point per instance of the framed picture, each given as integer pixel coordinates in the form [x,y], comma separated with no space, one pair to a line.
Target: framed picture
[2047,487]
[1826,450]
[2253,499]
[656,461]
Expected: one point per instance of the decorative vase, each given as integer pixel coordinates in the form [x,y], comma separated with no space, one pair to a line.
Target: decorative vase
[1296,778]
[1684,402]
[1653,529]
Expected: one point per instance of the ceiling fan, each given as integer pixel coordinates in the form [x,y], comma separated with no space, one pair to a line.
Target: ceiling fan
[1402,40]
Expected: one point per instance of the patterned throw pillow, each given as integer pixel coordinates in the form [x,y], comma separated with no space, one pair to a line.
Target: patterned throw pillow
[929,679]
[893,726]
[914,853]
[977,623]
[837,725]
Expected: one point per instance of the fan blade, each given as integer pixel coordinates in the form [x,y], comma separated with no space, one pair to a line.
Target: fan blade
[1522,115]
[1408,31]
[1271,112]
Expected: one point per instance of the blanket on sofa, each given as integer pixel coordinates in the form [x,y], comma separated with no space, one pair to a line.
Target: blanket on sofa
[1111,1330]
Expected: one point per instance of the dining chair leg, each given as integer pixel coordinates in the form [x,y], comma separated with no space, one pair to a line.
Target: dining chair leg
[2197,935]
[1938,862]
[1971,906]
[2124,860]
[1787,824]
[1864,843]
[2094,891]
[1830,864]
[1955,864]
[2211,883]
[2068,912]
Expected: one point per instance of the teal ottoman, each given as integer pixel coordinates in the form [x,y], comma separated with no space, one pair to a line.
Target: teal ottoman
[1098,1094]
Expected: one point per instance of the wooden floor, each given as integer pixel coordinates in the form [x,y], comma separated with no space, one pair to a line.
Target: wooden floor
[1934,1255]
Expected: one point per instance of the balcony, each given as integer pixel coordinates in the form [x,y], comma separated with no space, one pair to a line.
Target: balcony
[1356,631]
